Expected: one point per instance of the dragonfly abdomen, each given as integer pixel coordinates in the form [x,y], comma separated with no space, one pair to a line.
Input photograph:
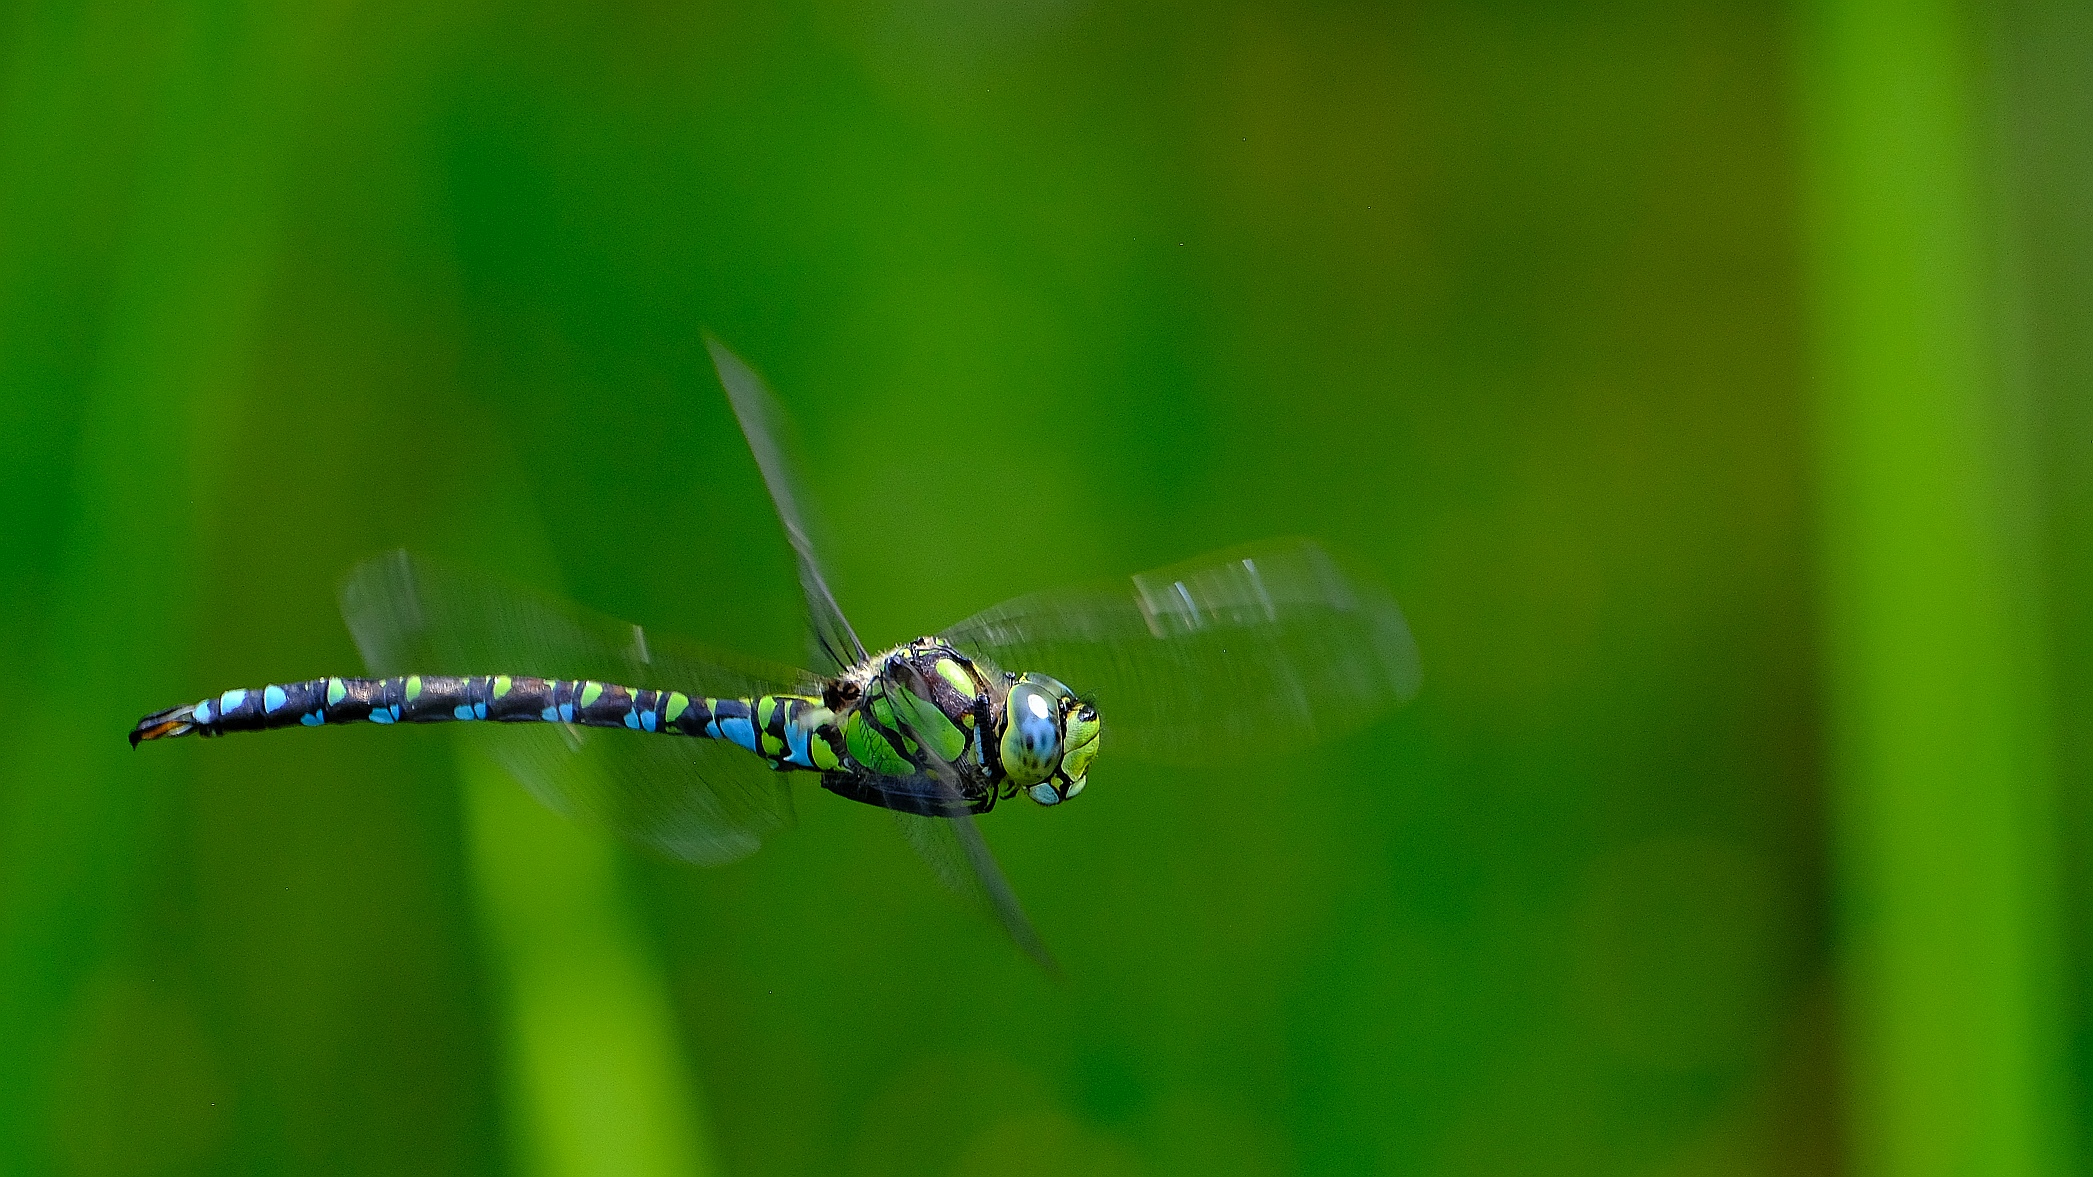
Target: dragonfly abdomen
[779,728]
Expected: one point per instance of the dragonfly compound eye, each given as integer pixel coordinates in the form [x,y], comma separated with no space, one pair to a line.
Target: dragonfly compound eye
[1031,734]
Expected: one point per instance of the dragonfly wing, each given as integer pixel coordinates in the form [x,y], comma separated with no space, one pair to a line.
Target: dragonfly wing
[1267,646]
[953,846]
[952,843]
[700,800]
[763,425]
[960,857]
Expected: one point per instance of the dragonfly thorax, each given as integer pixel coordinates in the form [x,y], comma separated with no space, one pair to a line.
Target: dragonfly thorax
[924,707]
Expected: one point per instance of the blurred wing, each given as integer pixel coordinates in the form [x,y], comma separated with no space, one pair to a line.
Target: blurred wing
[953,847]
[962,861]
[763,425]
[1262,647]
[700,800]
[959,855]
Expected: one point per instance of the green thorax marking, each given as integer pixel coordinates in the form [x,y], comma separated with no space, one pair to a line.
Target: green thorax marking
[927,690]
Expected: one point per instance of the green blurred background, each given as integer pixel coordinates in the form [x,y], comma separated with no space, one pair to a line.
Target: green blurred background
[1709,381]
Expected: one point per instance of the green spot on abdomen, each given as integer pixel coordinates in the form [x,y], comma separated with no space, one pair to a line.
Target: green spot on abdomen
[414,687]
[590,692]
[678,704]
[766,710]
[337,690]
[818,747]
[501,685]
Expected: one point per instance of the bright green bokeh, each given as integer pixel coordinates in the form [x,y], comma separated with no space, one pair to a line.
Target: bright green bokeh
[1522,308]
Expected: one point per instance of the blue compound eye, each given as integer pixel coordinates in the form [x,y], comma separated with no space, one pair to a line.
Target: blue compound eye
[1045,795]
[1031,734]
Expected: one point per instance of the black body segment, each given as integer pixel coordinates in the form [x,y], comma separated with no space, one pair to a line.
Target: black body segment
[782,729]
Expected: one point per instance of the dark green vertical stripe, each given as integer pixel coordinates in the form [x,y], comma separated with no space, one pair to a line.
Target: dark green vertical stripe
[1938,727]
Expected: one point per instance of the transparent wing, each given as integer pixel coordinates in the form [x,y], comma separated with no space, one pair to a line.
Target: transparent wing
[957,852]
[763,425]
[954,847]
[962,861]
[699,800]
[1267,646]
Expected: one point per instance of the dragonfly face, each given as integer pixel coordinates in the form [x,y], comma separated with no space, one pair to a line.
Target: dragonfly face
[1049,738]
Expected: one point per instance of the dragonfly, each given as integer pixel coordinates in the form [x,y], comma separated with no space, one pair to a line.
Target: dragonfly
[1259,649]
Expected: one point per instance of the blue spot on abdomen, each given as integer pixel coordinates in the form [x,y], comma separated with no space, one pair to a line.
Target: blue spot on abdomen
[272,697]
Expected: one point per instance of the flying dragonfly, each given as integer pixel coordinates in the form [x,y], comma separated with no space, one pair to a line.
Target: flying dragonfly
[1261,648]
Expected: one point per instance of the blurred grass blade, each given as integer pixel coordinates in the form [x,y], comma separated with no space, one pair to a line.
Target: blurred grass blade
[1937,705]
[597,1079]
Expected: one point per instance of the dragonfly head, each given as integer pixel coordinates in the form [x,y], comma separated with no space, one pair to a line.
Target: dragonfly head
[1049,738]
